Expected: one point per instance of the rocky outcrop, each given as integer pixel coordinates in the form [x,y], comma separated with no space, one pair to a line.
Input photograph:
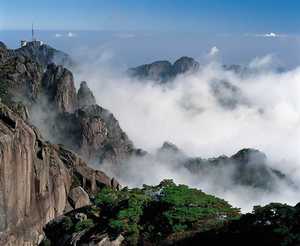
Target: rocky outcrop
[85,96]
[164,71]
[20,78]
[2,45]
[44,55]
[94,133]
[248,167]
[185,64]
[76,228]
[36,178]
[228,95]
[59,89]
[78,197]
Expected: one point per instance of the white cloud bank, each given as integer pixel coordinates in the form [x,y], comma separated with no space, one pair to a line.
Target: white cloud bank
[214,51]
[188,115]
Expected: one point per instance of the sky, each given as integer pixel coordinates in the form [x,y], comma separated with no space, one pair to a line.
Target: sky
[223,16]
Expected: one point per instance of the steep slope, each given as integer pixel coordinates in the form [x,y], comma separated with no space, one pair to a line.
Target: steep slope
[85,96]
[44,55]
[20,78]
[59,89]
[94,133]
[36,178]
[63,115]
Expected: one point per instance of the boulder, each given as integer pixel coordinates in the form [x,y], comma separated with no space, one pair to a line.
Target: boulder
[78,197]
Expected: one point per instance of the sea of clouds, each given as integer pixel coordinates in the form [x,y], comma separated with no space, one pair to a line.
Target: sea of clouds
[187,113]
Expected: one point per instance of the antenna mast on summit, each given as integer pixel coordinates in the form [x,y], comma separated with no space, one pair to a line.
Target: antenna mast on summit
[32,32]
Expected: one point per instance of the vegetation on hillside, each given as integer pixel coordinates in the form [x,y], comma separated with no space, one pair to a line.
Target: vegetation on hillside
[149,214]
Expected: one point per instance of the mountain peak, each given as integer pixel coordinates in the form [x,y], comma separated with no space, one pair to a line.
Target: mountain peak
[164,71]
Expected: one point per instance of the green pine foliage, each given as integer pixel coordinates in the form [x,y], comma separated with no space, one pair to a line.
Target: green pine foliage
[155,212]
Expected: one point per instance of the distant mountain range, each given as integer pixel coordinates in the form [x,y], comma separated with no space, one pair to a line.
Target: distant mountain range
[164,71]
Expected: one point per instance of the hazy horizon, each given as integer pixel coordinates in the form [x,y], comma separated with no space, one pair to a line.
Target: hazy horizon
[131,48]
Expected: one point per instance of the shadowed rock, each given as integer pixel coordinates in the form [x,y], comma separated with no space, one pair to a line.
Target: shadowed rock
[248,167]
[164,71]
[45,55]
[20,78]
[93,132]
[58,86]
[85,95]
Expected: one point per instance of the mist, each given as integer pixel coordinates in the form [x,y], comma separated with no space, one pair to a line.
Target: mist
[187,113]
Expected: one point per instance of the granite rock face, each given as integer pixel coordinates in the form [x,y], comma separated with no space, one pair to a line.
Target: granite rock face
[59,89]
[20,77]
[36,178]
[94,133]
[44,55]
[78,197]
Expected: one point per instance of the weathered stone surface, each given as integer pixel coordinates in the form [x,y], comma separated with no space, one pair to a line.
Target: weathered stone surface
[44,55]
[20,78]
[85,96]
[58,86]
[78,197]
[35,179]
[107,242]
[94,133]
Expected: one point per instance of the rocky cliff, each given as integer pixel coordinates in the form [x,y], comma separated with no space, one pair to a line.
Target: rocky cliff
[94,133]
[48,98]
[59,89]
[44,55]
[36,178]
[20,78]
[85,96]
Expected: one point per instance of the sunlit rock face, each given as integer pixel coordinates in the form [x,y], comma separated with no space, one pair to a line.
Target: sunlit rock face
[36,178]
